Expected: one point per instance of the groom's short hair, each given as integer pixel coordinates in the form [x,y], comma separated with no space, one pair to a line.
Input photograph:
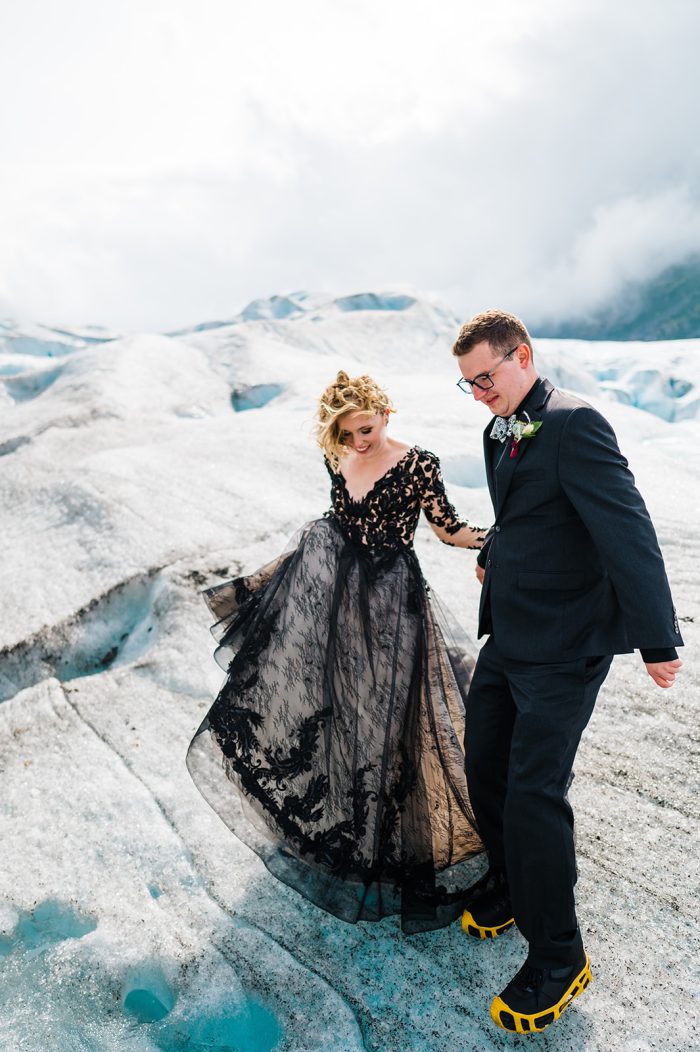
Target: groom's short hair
[502,330]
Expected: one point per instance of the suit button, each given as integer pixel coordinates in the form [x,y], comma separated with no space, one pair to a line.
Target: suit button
[497,529]
[488,562]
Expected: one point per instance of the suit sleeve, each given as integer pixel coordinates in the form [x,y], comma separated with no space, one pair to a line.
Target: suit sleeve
[597,481]
[484,553]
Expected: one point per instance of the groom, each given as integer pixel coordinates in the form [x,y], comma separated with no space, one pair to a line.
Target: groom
[572,574]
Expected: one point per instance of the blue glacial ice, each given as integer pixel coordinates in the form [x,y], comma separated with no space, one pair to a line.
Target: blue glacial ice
[254,397]
[130,919]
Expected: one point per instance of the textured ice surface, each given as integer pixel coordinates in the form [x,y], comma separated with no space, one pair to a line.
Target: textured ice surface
[129,917]
[661,378]
[254,397]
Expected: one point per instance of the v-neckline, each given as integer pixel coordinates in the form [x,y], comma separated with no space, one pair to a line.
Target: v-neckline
[370,491]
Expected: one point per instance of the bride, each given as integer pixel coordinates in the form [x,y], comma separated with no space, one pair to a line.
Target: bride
[335,746]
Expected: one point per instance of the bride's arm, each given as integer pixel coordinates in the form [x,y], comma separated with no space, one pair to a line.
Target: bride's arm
[440,513]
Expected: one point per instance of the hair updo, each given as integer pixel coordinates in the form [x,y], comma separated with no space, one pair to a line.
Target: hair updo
[346,395]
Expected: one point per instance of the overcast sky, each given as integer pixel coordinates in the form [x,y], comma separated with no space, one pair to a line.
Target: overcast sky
[165,161]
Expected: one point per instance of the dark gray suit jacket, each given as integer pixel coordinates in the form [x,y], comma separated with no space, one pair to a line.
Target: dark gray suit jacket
[573,566]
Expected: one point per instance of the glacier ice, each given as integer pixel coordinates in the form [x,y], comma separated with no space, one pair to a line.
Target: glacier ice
[129,916]
[255,396]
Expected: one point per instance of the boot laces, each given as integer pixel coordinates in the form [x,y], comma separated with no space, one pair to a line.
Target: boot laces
[530,978]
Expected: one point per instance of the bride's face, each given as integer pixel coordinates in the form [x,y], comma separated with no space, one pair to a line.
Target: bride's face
[366,435]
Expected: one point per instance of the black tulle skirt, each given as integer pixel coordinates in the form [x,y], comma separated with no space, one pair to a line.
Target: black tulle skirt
[335,746]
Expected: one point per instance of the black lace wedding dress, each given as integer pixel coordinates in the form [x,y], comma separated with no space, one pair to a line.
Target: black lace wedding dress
[335,746]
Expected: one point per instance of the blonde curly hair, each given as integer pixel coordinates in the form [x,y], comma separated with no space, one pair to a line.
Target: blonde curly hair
[346,395]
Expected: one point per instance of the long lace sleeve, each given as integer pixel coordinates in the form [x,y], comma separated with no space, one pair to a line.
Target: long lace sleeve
[335,489]
[439,512]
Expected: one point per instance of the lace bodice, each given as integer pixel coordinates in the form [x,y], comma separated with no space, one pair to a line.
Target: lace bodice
[385,519]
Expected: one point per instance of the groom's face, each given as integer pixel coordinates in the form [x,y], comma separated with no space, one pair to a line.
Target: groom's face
[511,376]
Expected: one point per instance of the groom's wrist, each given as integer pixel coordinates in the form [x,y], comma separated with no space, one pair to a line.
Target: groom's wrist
[483,551]
[652,657]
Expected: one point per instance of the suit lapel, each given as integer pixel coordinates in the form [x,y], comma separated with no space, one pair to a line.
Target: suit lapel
[507,466]
[489,461]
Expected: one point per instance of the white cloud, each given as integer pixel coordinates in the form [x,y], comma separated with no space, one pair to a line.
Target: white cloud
[630,240]
[167,161]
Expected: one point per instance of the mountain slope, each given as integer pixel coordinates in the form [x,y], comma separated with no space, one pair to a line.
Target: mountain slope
[665,308]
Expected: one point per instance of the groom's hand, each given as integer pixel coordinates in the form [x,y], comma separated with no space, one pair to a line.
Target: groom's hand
[480,573]
[663,672]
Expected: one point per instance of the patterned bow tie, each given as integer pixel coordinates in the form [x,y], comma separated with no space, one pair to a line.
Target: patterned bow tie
[502,428]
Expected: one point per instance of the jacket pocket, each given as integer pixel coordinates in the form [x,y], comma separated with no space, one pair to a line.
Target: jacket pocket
[551,580]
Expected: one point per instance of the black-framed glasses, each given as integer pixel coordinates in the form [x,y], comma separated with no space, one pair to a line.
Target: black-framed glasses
[483,381]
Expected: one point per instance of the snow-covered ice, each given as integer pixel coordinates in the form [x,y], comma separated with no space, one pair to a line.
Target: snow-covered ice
[136,469]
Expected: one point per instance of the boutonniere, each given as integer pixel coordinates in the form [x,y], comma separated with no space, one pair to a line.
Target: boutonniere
[523,429]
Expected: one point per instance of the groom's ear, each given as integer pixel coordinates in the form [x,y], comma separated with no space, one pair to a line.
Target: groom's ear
[523,355]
